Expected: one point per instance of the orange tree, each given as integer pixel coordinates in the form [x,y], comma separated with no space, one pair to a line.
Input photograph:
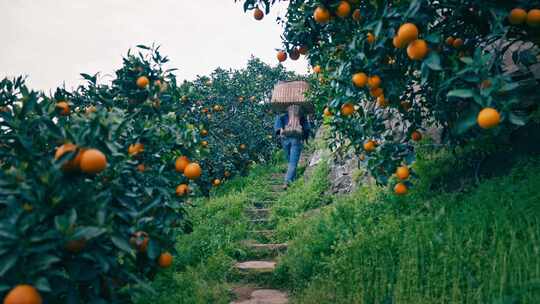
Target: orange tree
[385,71]
[94,182]
[230,110]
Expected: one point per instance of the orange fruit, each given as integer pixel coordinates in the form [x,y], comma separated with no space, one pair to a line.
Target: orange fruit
[382,102]
[407,32]
[93,161]
[517,16]
[370,38]
[203,132]
[360,80]
[400,189]
[321,15]
[135,149]
[317,69]
[165,260]
[182,190]
[181,163]
[347,109]
[258,14]
[398,42]
[184,98]
[418,49]
[72,164]
[450,40]
[227,174]
[281,56]
[143,82]
[376,92]
[193,171]
[216,182]
[139,240]
[402,172]
[204,143]
[533,18]
[241,98]
[344,9]
[90,109]
[488,118]
[303,50]
[63,108]
[416,136]
[356,15]
[23,294]
[242,146]
[457,43]
[327,112]
[369,146]
[294,54]
[141,167]
[486,83]
[374,82]
[75,246]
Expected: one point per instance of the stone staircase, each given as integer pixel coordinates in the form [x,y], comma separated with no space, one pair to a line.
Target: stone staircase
[254,274]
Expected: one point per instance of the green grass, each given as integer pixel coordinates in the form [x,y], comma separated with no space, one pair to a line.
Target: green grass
[460,236]
[481,245]
[203,267]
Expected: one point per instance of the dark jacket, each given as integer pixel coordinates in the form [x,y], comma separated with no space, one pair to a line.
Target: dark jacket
[282,120]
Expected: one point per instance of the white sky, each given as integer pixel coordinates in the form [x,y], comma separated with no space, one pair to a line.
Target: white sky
[52,41]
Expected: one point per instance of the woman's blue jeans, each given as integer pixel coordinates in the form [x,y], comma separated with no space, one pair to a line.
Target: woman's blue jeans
[293,148]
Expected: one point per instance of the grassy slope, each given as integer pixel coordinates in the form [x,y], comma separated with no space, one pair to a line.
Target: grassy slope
[480,244]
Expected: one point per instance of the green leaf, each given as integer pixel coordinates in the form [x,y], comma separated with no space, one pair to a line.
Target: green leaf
[461,93]
[433,61]
[42,284]
[7,262]
[518,119]
[88,233]
[153,249]
[121,243]
[466,122]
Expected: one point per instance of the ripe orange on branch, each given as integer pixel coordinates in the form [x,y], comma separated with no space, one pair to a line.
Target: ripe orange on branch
[533,18]
[143,82]
[317,69]
[360,80]
[370,38]
[182,190]
[347,109]
[418,49]
[258,14]
[488,118]
[72,164]
[369,146]
[23,294]
[281,56]
[321,15]
[517,16]
[402,173]
[374,82]
[165,260]
[135,149]
[343,9]
[407,33]
[416,136]
[181,163]
[93,161]
[63,108]
[193,171]
[400,189]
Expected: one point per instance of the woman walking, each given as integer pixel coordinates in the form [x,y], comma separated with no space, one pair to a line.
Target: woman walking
[293,128]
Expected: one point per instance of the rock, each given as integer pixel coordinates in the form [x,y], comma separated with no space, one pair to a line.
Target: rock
[266,296]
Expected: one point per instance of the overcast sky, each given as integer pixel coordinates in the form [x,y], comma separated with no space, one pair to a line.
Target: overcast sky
[52,41]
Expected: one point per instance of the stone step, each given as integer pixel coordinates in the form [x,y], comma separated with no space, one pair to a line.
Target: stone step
[256,266]
[263,232]
[257,213]
[277,188]
[262,204]
[275,247]
[259,221]
[265,296]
